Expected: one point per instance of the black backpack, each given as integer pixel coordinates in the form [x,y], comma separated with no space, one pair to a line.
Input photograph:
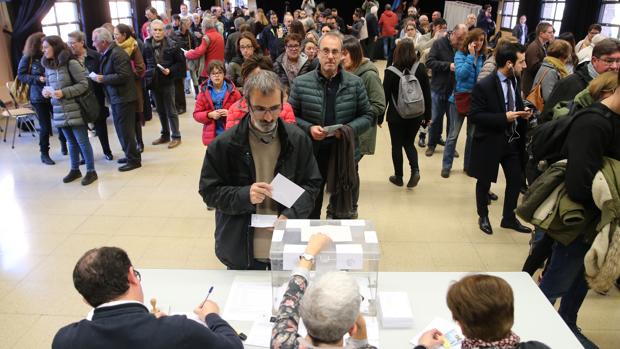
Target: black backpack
[545,144]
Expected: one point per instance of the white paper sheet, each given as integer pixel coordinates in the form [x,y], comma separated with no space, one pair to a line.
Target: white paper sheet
[93,76]
[260,333]
[451,332]
[263,220]
[349,257]
[395,310]
[277,235]
[338,233]
[285,191]
[248,300]
[297,223]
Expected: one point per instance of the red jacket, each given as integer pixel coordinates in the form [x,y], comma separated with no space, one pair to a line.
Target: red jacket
[238,110]
[214,51]
[388,23]
[204,105]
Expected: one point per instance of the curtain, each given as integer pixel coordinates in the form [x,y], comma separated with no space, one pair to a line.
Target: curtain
[577,17]
[28,15]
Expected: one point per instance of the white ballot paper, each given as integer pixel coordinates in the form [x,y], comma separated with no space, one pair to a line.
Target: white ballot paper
[260,333]
[285,191]
[452,335]
[395,310]
[263,220]
[93,76]
[248,300]
[338,233]
[290,256]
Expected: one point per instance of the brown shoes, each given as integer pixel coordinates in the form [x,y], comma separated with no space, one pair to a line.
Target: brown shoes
[175,142]
[160,140]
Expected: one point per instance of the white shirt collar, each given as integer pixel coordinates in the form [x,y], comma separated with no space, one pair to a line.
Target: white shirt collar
[90,314]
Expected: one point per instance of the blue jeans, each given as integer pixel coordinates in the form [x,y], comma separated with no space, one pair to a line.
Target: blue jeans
[565,278]
[77,138]
[456,122]
[440,106]
[388,48]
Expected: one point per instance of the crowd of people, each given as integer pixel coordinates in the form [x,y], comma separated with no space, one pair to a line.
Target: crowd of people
[300,95]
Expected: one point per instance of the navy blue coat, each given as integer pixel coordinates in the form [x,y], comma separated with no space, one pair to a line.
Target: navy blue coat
[131,326]
[29,73]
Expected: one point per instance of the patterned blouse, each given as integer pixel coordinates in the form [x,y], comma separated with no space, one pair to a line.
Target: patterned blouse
[284,334]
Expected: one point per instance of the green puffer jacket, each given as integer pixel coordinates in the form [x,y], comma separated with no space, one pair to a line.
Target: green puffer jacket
[582,100]
[307,98]
[66,110]
[370,75]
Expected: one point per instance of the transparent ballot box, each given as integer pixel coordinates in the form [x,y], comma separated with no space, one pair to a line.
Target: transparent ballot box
[355,249]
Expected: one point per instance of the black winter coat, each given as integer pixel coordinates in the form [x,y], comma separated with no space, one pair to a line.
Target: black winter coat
[439,59]
[488,114]
[391,84]
[172,58]
[118,77]
[92,62]
[29,73]
[228,172]
[566,90]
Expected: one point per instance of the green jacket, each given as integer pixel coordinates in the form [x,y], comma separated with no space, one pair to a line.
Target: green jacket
[582,100]
[370,76]
[307,97]
[611,210]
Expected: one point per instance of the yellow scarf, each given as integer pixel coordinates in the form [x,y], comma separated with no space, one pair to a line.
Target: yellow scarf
[558,65]
[128,45]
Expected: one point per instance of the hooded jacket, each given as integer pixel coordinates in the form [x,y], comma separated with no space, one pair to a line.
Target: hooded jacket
[388,23]
[204,105]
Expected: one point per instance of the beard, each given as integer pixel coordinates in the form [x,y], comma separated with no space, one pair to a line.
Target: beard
[265,126]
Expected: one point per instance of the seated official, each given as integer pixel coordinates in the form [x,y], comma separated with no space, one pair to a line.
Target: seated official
[330,308]
[109,283]
[483,306]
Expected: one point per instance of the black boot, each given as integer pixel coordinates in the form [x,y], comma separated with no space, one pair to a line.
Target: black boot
[90,177]
[63,148]
[45,158]
[414,179]
[71,176]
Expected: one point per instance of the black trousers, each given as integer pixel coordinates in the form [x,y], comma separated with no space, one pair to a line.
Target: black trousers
[511,165]
[402,135]
[124,115]
[101,128]
[44,114]
[179,95]
[322,155]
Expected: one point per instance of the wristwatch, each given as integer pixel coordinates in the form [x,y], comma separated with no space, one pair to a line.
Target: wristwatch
[308,257]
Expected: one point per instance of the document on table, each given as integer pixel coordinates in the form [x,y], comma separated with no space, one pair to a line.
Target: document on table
[260,333]
[248,300]
[285,191]
[338,233]
[263,220]
[395,310]
[452,335]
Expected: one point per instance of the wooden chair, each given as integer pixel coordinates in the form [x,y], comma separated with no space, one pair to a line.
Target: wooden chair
[21,115]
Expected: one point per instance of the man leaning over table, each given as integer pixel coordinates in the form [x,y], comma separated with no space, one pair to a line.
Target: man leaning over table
[330,308]
[110,284]
[239,165]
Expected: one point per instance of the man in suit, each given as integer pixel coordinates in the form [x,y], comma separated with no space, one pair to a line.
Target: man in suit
[118,81]
[520,30]
[498,113]
[109,283]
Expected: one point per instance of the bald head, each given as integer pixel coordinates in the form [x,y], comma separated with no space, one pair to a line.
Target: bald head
[458,35]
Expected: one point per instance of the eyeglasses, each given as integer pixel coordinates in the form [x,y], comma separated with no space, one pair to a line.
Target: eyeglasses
[262,111]
[610,61]
[326,52]
[137,274]
[410,29]
[292,47]
[246,47]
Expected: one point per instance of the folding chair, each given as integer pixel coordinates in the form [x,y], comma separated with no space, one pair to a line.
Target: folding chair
[21,115]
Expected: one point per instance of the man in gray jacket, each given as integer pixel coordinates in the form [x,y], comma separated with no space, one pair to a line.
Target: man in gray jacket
[118,81]
[328,98]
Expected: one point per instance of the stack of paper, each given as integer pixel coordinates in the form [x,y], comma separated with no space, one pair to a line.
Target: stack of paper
[395,310]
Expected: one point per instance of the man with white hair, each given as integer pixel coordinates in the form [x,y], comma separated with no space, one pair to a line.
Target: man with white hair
[170,65]
[239,165]
[330,308]
[118,81]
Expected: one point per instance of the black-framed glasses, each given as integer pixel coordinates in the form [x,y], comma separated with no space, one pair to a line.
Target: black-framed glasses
[261,111]
[137,274]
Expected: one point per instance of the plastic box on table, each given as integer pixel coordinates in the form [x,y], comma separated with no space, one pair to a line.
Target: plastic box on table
[359,256]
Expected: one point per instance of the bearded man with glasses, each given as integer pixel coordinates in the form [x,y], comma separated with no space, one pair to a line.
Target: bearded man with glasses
[239,165]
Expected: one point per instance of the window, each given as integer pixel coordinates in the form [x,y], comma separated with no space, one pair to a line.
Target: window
[61,19]
[159,5]
[510,14]
[120,12]
[552,12]
[609,18]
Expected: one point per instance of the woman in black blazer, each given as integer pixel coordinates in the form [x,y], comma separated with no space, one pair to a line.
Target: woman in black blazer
[403,131]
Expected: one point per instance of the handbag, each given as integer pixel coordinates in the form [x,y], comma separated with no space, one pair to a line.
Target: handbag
[20,90]
[89,105]
[463,103]
[535,97]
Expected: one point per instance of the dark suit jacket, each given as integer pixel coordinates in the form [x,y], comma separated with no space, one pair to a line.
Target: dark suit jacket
[488,114]
[517,31]
[118,77]
[131,326]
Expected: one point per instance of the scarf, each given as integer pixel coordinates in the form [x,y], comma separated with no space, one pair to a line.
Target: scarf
[593,73]
[558,65]
[510,342]
[128,45]
[292,69]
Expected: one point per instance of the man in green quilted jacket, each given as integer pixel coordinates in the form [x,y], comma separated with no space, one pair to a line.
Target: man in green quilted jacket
[329,96]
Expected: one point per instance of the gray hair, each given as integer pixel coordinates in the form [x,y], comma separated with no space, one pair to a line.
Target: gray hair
[208,22]
[103,35]
[333,34]
[265,81]
[238,22]
[156,21]
[330,306]
[78,35]
[186,20]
